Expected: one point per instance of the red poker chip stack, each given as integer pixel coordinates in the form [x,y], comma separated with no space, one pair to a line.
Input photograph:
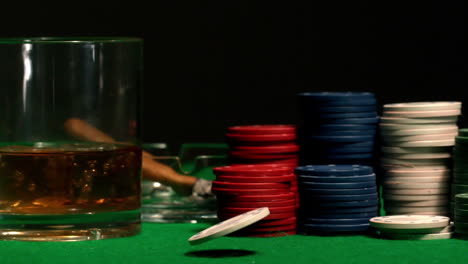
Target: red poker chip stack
[242,188]
[263,144]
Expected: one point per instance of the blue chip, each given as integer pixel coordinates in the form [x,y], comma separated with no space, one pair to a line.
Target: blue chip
[345,133]
[341,115]
[347,185]
[337,98]
[334,170]
[349,156]
[337,179]
[336,210]
[337,127]
[365,120]
[330,228]
[310,198]
[319,205]
[343,215]
[326,145]
[337,191]
[325,221]
[343,109]
[341,138]
[338,150]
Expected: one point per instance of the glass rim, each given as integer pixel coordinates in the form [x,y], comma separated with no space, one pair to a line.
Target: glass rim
[69,40]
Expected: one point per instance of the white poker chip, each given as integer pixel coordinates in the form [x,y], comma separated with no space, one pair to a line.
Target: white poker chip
[418,179]
[416,210]
[423,106]
[441,202]
[415,156]
[409,222]
[420,150]
[433,191]
[415,185]
[397,197]
[415,162]
[422,121]
[418,172]
[413,114]
[426,143]
[388,128]
[409,236]
[446,213]
[421,131]
[397,139]
[230,225]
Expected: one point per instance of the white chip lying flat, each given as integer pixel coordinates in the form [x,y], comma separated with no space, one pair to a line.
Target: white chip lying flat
[421,131]
[401,236]
[417,179]
[422,121]
[387,128]
[432,191]
[397,138]
[417,172]
[409,221]
[416,185]
[423,106]
[402,156]
[415,210]
[395,197]
[415,162]
[420,150]
[441,202]
[426,143]
[412,114]
[230,225]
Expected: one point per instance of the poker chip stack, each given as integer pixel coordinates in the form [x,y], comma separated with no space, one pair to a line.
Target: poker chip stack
[417,140]
[460,164]
[242,188]
[461,215]
[336,198]
[337,127]
[413,227]
[263,144]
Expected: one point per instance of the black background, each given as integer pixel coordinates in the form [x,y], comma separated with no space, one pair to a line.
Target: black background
[212,65]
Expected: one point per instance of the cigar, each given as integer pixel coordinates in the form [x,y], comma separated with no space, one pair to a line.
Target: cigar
[152,169]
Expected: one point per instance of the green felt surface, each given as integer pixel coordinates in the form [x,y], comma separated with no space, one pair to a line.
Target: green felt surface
[167,243]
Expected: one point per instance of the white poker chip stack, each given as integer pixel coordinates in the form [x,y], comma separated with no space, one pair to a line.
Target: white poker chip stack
[417,141]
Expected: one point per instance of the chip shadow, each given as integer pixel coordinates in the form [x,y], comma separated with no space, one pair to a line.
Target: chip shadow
[220,253]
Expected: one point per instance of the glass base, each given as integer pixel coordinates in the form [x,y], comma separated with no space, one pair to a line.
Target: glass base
[69,227]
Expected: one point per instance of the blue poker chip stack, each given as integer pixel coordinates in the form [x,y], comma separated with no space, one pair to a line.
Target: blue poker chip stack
[336,198]
[337,127]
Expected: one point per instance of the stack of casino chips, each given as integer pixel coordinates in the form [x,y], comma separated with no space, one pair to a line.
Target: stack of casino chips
[242,188]
[417,141]
[263,144]
[336,198]
[337,128]
[460,165]
[461,215]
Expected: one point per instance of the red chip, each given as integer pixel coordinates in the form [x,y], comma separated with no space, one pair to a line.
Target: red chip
[223,191]
[246,155]
[253,170]
[272,234]
[287,178]
[291,202]
[254,228]
[224,216]
[259,198]
[270,149]
[262,129]
[262,138]
[250,185]
[273,210]
[286,221]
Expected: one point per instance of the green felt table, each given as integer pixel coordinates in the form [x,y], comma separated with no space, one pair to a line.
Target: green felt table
[167,243]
